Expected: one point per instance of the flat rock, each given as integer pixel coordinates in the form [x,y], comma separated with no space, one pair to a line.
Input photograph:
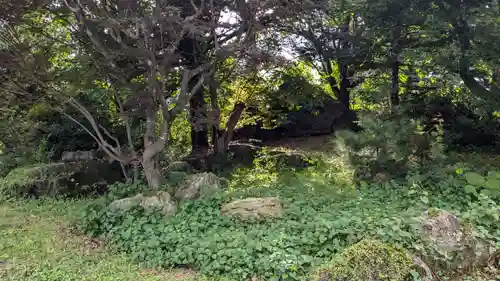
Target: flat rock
[253,208]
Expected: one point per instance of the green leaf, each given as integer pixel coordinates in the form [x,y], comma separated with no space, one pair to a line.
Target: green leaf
[470,189]
[492,183]
[474,179]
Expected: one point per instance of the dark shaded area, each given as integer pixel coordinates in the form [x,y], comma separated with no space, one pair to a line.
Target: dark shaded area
[462,126]
[317,120]
[72,179]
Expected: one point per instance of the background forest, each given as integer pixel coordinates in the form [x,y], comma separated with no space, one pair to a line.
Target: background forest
[249,140]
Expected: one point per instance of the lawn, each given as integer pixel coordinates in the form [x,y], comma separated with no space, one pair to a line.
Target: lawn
[37,243]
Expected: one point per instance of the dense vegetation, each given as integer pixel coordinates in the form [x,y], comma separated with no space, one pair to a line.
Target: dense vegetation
[257,140]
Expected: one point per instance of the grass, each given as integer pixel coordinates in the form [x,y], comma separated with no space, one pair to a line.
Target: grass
[37,243]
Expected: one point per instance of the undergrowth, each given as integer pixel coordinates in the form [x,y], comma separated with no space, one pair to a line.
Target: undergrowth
[324,214]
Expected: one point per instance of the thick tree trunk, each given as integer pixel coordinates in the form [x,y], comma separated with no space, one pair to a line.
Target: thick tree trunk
[152,171]
[152,147]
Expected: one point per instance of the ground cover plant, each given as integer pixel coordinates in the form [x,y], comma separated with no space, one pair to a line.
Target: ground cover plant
[249,140]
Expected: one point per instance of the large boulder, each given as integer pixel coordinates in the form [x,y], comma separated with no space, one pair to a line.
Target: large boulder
[455,246]
[159,201]
[62,179]
[197,186]
[253,209]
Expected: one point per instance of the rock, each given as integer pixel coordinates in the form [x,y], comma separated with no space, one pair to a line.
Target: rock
[422,269]
[159,201]
[253,208]
[71,156]
[198,185]
[243,153]
[381,177]
[443,229]
[68,179]
[323,118]
[125,204]
[179,166]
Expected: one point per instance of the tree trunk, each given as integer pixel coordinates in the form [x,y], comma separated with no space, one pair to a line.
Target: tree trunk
[222,144]
[214,103]
[199,130]
[396,34]
[344,86]
[149,161]
[152,170]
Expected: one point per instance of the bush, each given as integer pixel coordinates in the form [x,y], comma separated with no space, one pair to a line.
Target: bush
[390,143]
[368,260]
[26,180]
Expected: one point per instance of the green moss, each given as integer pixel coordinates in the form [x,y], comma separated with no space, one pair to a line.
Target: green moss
[367,260]
[433,212]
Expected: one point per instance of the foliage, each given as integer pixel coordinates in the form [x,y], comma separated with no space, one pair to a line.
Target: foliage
[322,217]
[390,144]
[21,181]
[484,216]
[368,260]
[488,185]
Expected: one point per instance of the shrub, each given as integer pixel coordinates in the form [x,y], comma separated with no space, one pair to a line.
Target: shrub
[389,143]
[26,180]
[368,260]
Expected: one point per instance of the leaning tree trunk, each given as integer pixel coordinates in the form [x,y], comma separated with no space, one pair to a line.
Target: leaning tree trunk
[225,137]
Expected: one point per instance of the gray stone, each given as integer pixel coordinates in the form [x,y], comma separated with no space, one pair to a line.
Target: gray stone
[125,204]
[197,186]
[443,229]
[253,208]
[71,156]
[160,201]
